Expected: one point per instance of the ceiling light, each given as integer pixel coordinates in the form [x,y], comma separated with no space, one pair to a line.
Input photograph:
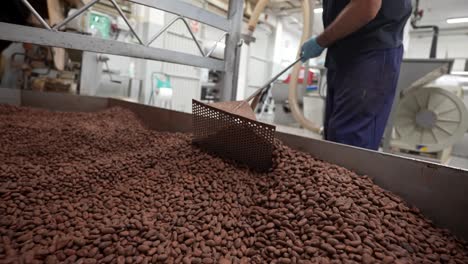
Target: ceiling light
[465,73]
[318,10]
[456,20]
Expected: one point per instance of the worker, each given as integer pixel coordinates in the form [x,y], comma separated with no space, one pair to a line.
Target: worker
[364,42]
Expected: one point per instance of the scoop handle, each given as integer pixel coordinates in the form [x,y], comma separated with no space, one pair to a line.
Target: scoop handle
[259,91]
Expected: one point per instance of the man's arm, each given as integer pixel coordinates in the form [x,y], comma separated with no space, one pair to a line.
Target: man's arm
[353,17]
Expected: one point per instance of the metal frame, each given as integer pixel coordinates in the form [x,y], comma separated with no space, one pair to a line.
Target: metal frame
[232,51]
[165,28]
[437,190]
[81,42]
[36,14]
[187,10]
[51,36]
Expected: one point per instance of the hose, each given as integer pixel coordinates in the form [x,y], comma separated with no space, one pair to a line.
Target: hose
[308,18]
[259,7]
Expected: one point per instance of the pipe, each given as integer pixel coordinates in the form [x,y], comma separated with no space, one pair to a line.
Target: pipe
[259,7]
[435,37]
[308,16]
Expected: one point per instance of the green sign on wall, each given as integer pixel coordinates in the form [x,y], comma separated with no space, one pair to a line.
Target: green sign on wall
[100,23]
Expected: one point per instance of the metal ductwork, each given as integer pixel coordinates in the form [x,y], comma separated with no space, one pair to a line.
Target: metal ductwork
[417,15]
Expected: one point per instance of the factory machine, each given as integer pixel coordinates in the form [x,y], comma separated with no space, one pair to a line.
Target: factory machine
[311,96]
[429,116]
[438,191]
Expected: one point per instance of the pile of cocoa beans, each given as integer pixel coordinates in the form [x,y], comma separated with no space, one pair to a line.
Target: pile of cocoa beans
[101,188]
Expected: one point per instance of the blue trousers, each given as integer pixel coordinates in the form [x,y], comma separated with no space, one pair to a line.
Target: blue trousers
[360,95]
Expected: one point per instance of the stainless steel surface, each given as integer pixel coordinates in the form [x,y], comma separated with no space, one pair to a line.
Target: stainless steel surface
[187,10]
[63,102]
[414,72]
[458,162]
[77,13]
[158,119]
[126,20]
[10,96]
[438,191]
[80,42]
[460,149]
[36,14]
[232,51]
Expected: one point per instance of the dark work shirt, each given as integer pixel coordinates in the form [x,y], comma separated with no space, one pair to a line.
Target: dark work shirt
[383,32]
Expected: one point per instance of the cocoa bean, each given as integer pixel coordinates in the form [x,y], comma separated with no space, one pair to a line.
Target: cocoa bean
[102,188]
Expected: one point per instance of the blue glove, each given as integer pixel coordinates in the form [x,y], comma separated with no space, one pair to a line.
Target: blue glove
[310,49]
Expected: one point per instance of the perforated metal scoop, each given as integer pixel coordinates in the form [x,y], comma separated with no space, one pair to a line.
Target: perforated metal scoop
[230,129]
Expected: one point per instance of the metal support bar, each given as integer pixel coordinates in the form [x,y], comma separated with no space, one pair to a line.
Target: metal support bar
[232,50]
[77,13]
[157,35]
[126,20]
[66,40]
[187,10]
[216,44]
[169,25]
[193,36]
[166,27]
[36,14]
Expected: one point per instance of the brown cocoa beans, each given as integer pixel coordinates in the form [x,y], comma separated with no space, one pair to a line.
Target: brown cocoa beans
[102,188]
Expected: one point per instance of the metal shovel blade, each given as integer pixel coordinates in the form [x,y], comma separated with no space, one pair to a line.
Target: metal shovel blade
[233,135]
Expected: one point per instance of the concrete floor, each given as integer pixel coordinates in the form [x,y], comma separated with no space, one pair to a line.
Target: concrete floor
[458,162]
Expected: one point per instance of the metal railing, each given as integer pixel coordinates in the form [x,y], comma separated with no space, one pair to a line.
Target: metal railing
[53,36]
[87,6]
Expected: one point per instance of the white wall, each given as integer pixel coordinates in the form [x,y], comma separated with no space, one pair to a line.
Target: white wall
[286,44]
[185,80]
[260,58]
[276,46]
[449,46]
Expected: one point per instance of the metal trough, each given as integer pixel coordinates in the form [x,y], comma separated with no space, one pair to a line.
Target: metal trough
[438,191]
